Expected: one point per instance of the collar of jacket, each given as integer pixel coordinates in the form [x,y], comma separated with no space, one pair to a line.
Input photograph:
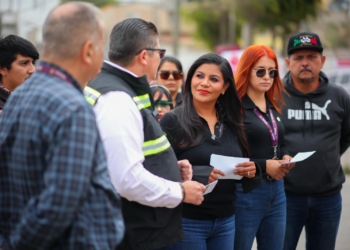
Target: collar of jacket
[4,94]
[249,104]
[139,84]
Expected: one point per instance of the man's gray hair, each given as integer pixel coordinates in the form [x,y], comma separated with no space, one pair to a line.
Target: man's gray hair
[129,37]
[65,34]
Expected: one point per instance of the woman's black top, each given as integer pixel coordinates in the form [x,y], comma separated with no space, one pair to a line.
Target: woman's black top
[179,99]
[220,202]
[259,140]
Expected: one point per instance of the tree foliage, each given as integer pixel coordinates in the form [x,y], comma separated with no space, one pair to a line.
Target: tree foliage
[212,20]
[281,17]
[98,3]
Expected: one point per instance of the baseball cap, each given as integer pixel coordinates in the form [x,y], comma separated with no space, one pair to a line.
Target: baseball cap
[304,40]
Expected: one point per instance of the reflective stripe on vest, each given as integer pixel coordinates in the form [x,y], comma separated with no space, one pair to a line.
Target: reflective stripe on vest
[91,95]
[142,101]
[156,146]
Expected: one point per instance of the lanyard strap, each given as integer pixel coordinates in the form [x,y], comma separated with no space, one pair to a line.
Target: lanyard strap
[53,71]
[273,132]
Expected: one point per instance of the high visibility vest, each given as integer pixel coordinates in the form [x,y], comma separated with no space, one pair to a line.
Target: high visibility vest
[149,147]
[146,227]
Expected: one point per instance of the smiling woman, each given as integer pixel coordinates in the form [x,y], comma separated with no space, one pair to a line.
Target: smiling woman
[210,121]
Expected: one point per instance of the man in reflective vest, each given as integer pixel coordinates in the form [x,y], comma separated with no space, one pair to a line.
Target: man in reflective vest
[142,164]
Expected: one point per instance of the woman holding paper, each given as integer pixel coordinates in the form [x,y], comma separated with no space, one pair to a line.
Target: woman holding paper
[262,213]
[210,121]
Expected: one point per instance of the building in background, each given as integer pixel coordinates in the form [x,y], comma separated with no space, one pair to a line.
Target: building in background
[25,18]
[162,14]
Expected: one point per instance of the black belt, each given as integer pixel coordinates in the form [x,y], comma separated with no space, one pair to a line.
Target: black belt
[267,177]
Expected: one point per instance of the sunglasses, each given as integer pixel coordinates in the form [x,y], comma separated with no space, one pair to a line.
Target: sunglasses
[273,73]
[165,74]
[162,104]
[160,51]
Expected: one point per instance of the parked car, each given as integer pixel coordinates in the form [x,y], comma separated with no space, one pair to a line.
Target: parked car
[341,77]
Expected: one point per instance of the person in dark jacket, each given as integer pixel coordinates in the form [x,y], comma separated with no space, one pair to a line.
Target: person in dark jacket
[17,59]
[262,213]
[143,167]
[316,117]
[210,121]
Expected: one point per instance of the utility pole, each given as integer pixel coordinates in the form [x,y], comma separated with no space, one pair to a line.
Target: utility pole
[232,22]
[176,29]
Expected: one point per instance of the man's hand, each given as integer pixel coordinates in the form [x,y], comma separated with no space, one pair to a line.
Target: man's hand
[246,169]
[213,175]
[194,192]
[185,170]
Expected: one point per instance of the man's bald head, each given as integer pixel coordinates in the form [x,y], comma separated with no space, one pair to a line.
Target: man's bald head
[68,27]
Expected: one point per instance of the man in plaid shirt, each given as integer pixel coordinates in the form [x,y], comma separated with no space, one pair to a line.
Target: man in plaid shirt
[55,190]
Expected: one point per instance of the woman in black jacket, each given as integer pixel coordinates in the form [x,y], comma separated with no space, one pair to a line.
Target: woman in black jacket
[262,213]
[210,121]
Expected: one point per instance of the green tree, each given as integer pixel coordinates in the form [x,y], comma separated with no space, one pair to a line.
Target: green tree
[215,21]
[281,17]
[98,3]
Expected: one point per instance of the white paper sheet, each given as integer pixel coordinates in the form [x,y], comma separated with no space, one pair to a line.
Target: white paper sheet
[300,157]
[210,187]
[227,165]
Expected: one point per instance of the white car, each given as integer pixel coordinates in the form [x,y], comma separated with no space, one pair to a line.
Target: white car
[341,77]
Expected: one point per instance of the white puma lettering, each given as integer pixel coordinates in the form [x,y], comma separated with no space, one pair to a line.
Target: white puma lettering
[312,112]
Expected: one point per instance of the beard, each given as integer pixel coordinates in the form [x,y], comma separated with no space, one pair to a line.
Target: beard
[306,79]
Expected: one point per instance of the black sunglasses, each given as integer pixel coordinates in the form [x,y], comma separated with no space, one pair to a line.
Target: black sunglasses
[160,51]
[165,74]
[273,73]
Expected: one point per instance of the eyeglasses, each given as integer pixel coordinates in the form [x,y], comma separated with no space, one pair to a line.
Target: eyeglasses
[165,74]
[162,104]
[160,51]
[273,73]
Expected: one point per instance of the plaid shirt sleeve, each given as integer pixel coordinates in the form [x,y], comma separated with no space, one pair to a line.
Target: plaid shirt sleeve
[66,178]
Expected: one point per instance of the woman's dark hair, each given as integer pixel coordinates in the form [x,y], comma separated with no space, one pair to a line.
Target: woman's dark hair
[157,88]
[228,106]
[172,60]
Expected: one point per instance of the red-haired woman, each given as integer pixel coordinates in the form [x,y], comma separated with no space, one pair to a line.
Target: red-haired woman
[262,212]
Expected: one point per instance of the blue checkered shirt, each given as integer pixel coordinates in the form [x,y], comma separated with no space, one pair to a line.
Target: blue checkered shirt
[55,190]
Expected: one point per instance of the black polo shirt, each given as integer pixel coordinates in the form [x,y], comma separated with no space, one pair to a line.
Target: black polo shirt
[259,140]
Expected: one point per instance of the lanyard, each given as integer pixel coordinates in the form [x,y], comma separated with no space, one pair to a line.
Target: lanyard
[273,131]
[53,71]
